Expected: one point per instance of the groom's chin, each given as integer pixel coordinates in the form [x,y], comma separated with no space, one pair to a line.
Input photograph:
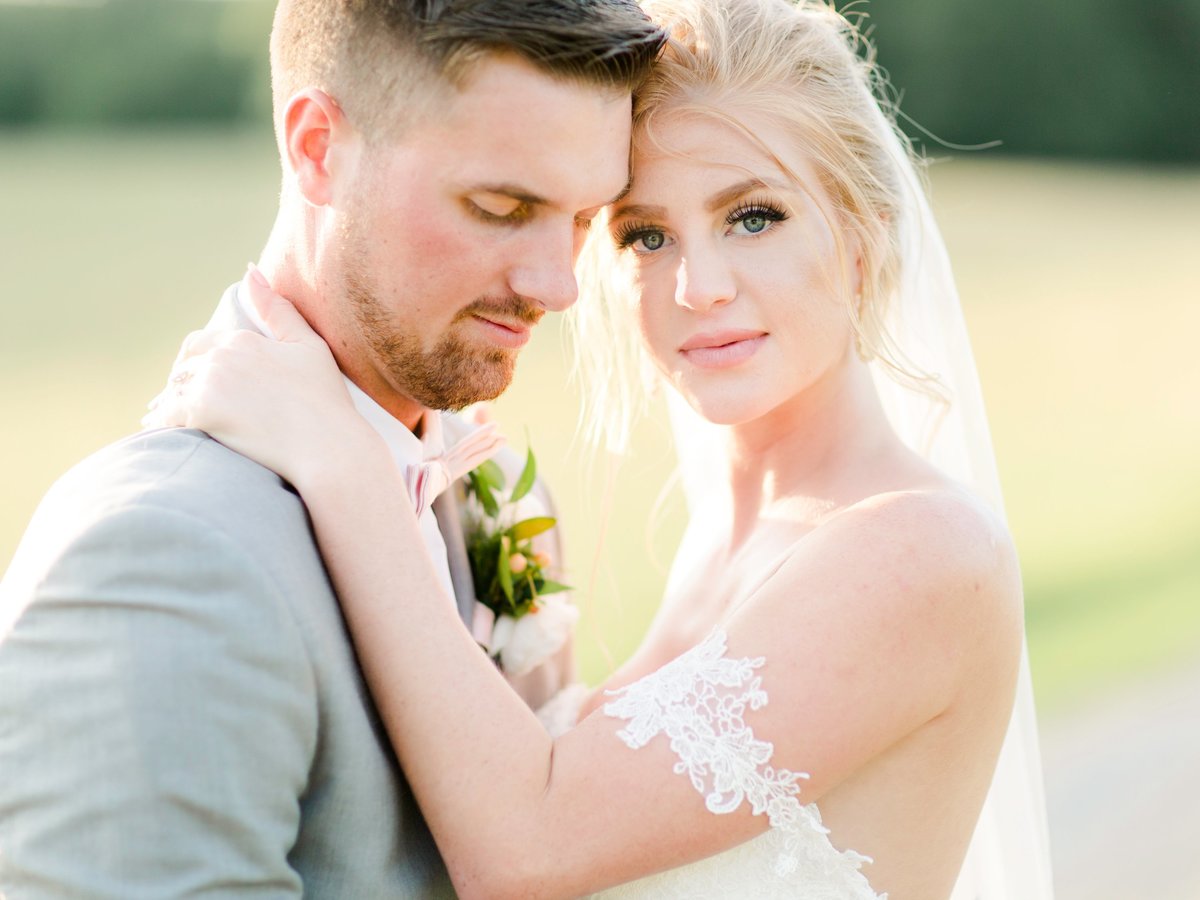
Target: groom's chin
[465,379]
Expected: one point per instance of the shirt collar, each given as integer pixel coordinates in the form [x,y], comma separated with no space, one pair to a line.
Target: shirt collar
[407,449]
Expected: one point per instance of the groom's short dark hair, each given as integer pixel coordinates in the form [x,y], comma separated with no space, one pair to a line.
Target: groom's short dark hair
[381,59]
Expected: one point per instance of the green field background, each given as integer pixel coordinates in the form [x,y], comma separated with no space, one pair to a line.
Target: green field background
[1081,293]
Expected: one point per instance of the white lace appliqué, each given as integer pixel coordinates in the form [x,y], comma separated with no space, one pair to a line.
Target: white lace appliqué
[698,702]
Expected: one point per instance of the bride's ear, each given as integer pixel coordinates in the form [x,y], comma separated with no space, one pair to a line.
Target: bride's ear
[866,266]
[314,128]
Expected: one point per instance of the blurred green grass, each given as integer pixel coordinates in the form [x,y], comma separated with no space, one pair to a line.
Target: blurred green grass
[1080,291]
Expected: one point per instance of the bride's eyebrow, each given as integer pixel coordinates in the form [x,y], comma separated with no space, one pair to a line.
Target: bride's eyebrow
[638,211]
[735,192]
[717,201]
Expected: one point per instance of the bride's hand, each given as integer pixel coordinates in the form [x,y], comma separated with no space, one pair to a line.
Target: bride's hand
[281,402]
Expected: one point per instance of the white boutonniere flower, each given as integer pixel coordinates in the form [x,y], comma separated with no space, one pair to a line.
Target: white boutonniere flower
[518,620]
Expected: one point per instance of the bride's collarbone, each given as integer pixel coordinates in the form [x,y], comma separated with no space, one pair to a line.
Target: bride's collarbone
[720,579]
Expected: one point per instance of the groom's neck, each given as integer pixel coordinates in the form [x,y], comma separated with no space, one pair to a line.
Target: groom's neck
[292,274]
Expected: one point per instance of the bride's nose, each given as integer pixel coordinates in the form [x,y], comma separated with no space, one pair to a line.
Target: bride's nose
[702,281]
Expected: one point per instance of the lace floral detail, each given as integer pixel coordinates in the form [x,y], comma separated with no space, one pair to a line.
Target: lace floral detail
[698,702]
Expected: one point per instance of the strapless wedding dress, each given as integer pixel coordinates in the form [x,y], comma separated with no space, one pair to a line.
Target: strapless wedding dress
[697,702]
[748,872]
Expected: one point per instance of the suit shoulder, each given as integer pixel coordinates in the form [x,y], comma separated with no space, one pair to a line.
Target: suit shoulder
[180,470]
[170,459]
[171,500]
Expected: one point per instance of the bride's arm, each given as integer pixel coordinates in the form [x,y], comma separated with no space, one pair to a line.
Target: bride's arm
[517,814]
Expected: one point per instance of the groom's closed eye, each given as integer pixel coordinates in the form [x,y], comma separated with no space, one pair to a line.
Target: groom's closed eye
[503,205]
[508,212]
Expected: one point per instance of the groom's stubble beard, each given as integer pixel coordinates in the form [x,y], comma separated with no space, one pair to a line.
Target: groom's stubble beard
[454,373]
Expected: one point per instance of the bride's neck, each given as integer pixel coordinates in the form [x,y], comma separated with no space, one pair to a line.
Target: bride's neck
[805,448]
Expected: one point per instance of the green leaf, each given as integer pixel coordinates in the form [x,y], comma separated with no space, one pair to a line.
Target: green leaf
[528,528]
[552,587]
[490,506]
[503,571]
[483,551]
[528,476]
[482,489]
[491,473]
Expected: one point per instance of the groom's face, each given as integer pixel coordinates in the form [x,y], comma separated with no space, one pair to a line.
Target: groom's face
[462,232]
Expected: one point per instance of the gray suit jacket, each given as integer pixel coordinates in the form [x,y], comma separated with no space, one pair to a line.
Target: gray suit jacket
[181,711]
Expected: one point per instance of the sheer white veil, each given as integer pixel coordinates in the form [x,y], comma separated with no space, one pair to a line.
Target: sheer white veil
[1009,855]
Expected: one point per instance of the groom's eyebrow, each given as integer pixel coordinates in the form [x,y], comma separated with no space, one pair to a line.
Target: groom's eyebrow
[521,195]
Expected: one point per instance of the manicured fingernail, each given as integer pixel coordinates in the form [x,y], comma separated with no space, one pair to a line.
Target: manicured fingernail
[259,278]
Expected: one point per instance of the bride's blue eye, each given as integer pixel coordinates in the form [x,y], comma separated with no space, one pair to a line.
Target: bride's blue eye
[755,223]
[754,218]
[641,238]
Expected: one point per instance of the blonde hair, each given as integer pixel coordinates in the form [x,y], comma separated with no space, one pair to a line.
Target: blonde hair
[809,70]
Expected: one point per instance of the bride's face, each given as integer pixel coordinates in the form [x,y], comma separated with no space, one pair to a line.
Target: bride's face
[735,268]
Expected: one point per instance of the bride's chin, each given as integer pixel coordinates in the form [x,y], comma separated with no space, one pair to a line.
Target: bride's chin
[720,409]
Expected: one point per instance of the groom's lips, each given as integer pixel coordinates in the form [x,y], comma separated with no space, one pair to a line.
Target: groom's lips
[505,332]
[722,349]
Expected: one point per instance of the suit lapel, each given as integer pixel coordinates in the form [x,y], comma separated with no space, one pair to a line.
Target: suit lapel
[445,507]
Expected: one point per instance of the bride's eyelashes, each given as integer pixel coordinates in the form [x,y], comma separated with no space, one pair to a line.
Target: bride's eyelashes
[750,218]
[755,217]
[629,234]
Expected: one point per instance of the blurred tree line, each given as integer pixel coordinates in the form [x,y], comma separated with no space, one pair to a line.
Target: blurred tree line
[1086,78]
[112,62]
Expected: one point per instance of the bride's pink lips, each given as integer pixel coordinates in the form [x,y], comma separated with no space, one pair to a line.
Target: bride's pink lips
[513,335]
[722,349]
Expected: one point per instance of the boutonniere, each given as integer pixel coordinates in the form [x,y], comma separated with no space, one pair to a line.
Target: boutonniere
[518,619]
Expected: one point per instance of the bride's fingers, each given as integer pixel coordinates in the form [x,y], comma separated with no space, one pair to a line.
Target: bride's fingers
[154,417]
[481,413]
[277,311]
[197,342]
[170,408]
[203,389]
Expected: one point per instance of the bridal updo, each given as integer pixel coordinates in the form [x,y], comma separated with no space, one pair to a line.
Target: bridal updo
[811,72]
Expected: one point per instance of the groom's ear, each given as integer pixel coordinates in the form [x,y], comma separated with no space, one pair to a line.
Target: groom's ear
[314,127]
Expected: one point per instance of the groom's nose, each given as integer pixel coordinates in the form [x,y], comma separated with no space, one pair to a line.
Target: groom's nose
[545,272]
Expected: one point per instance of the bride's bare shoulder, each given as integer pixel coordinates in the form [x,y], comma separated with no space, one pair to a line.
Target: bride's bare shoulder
[903,607]
[934,563]
[939,509]
[947,531]
[940,540]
